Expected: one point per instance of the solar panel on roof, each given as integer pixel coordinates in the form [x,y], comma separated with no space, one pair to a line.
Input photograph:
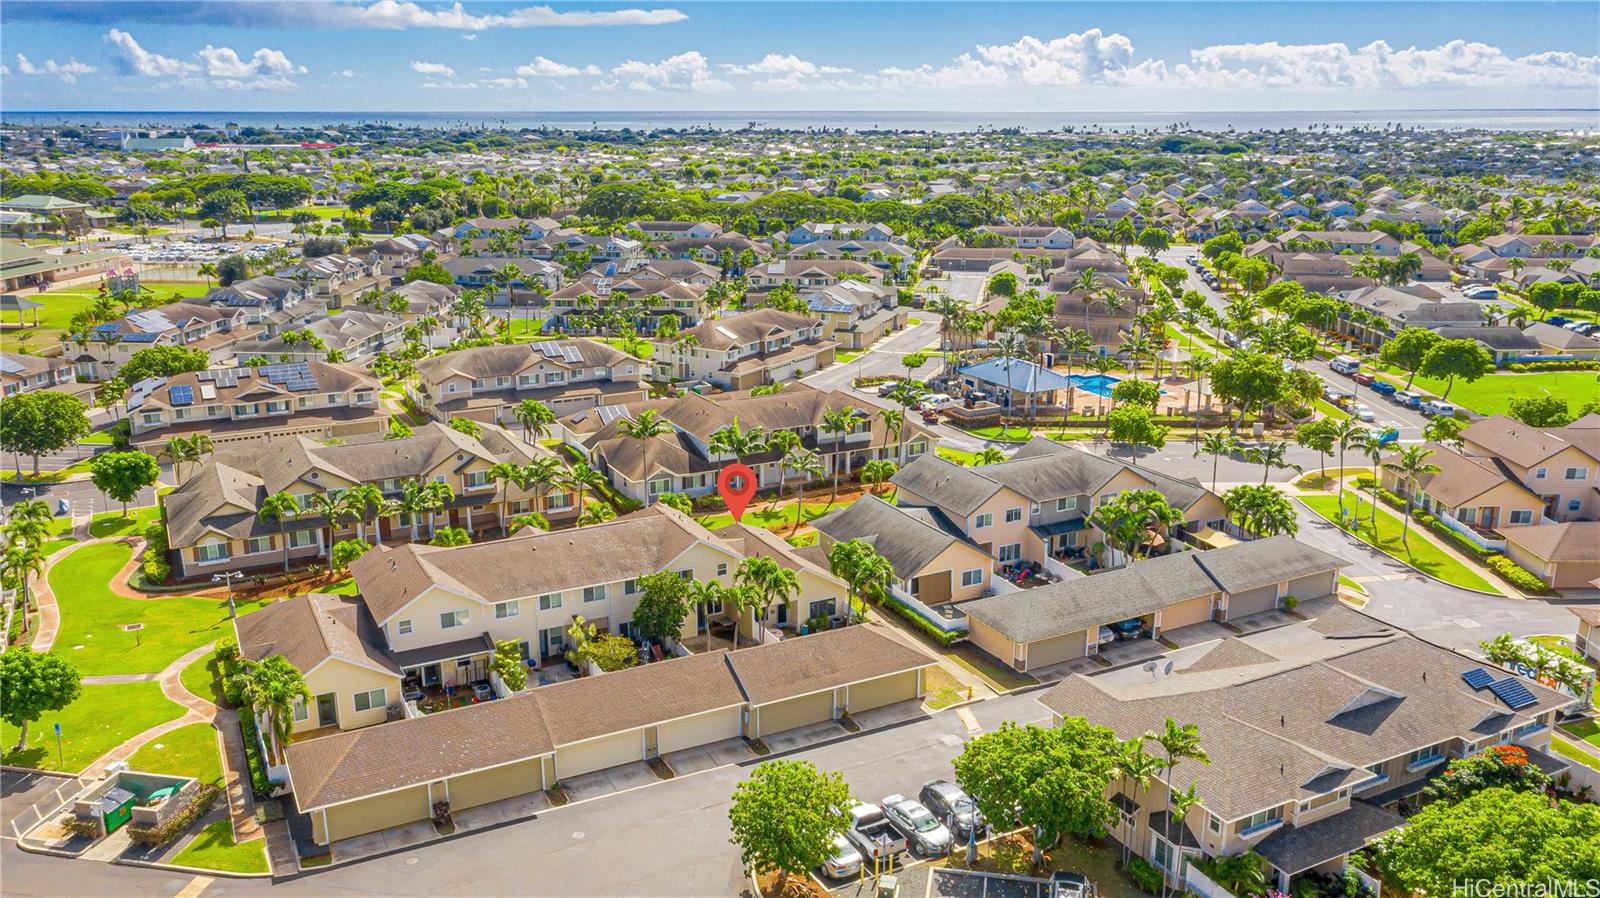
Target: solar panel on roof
[183,394]
[1514,694]
[1478,678]
[227,378]
[206,375]
[208,392]
[10,366]
[570,353]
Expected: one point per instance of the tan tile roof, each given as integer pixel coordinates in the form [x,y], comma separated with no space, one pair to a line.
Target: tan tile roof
[616,702]
[1516,442]
[310,629]
[1571,541]
[1462,478]
[807,664]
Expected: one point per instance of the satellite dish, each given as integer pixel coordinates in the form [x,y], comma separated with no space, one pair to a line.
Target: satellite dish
[1150,666]
[1168,670]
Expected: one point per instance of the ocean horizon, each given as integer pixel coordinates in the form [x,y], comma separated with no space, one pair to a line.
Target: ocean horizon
[1218,121]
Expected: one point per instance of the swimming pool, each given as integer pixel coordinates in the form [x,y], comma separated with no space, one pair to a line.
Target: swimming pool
[1098,384]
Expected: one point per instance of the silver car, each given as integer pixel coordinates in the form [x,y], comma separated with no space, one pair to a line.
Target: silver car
[925,835]
[845,862]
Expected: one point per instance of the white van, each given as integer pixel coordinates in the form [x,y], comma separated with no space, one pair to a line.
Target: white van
[1434,407]
[1345,365]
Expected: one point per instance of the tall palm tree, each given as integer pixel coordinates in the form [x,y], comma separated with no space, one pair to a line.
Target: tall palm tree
[535,417]
[505,473]
[280,508]
[20,561]
[1409,465]
[1216,445]
[769,581]
[363,501]
[329,506]
[809,466]
[580,478]
[948,308]
[1071,343]
[909,394]
[1269,456]
[838,421]
[1135,768]
[646,426]
[781,443]
[1349,434]
[1179,742]
[738,442]
[179,450]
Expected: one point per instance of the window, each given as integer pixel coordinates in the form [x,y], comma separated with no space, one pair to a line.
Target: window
[449,620]
[973,577]
[557,502]
[594,593]
[550,601]
[824,608]
[1066,503]
[1215,823]
[1521,516]
[301,712]
[1423,757]
[1574,504]
[503,610]
[1576,474]
[259,544]
[372,698]
[404,626]
[1013,515]
[299,539]
[1259,821]
[1009,553]
[722,569]
[982,521]
[1539,473]
[476,479]
[151,419]
[1033,509]
[629,587]
[208,552]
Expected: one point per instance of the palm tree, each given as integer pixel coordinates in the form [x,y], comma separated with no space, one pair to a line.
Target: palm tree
[738,442]
[876,472]
[412,503]
[1216,445]
[179,450]
[989,456]
[280,508]
[909,394]
[1135,768]
[1179,743]
[1409,465]
[949,309]
[363,500]
[782,443]
[1069,344]
[1348,434]
[505,473]
[893,421]
[807,464]
[837,421]
[535,417]
[597,513]
[21,560]
[270,687]
[1269,456]
[646,426]
[1372,448]
[579,478]
[329,506]
[770,582]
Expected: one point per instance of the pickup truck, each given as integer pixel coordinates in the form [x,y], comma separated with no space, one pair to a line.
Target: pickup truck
[872,833]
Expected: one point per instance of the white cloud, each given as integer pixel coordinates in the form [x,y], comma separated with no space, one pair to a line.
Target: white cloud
[272,82]
[432,68]
[4,69]
[685,72]
[394,14]
[774,64]
[541,67]
[478,84]
[67,71]
[470,36]
[223,62]
[133,59]
[345,73]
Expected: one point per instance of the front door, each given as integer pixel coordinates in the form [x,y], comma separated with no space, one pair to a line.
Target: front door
[783,614]
[430,675]
[327,710]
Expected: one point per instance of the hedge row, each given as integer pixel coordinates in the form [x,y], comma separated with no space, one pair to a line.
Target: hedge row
[177,823]
[156,568]
[1573,365]
[926,627]
[1509,570]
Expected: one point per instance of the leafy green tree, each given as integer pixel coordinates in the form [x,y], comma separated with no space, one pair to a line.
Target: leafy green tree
[431,272]
[1407,349]
[33,684]
[1452,359]
[1136,392]
[225,206]
[1135,425]
[347,550]
[161,361]
[1229,242]
[467,426]
[509,665]
[786,817]
[40,422]
[450,536]
[1319,436]
[607,651]
[1496,835]
[121,475]
[663,606]
[1500,767]
[1541,411]
[232,268]
[1260,509]
[1249,381]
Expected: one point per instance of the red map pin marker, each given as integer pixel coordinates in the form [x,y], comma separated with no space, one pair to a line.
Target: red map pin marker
[736,484]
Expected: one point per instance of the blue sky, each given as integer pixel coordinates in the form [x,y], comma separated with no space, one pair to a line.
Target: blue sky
[397,55]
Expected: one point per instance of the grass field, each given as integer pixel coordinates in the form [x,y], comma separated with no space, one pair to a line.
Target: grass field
[102,718]
[93,617]
[644,348]
[186,751]
[1492,395]
[1561,747]
[201,678]
[1587,730]
[61,305]
[214,849]
[1417,552]
[114,524]
[780,516]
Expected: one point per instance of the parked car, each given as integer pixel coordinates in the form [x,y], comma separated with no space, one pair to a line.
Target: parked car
[1558,320]
[955,807]
[888,386]
[872,833]
[936,401]
[1363,412]
[925,835]
[1408,399]
[1384,388]
[845,861]
[1333,395]
[1481,292]
[1577,326]
[1345,365]
[1070,884]
[1106,636]
[1192,260]
[1128,629]
[1364,379]
[1435,407]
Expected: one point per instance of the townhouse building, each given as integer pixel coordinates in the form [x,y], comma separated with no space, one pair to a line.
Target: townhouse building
[25,373]
[1560,465]
[856,315]
[675,230]
[813,231]
[803,273]
[1315,731]
[220,331]
[729,250]
[1030,236]
[644,297]
[214,521]
[473,235]
[739,352]
[895,258]
[356,334]
[393,256]
[482,272]
[262,296]
[337,279]
[682,460]
[1471,494]
[1357,242]
[243,406]
[486,383]
[934,560]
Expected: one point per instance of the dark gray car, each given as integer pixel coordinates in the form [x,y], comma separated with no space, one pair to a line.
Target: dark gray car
[949,803]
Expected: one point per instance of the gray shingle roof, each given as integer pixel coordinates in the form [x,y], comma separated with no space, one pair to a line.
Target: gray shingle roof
[908,537]
[1296,848]
[1259,562]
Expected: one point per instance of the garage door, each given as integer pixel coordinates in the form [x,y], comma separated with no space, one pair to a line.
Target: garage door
[1314,586]
[1185,614]
[587,757]
[796,712]
[883,691]
[1575,574]
[473,789]
[701,729]
[372,814]
[1055,650]
[1251,601]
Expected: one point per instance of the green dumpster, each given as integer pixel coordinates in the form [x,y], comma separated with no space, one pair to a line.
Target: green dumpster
[116,808]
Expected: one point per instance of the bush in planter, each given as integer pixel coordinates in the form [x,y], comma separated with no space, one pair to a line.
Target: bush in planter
[177,823]
[1289,602]
[1145,875]
[1515,574]
[82,827]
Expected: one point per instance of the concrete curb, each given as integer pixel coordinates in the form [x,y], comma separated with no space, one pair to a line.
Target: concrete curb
[198,871]
[1419,572]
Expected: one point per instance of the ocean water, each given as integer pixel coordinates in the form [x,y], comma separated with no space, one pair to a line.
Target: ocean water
[852,120]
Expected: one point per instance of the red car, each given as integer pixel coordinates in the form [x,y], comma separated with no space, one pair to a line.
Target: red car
[1365,380]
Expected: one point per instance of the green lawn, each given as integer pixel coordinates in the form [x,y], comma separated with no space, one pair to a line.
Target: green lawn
[782,515]
[61,305]
[846,355]
[102,718]
[56,476]
[98,438]
[1561,747]
[186,751]
[959,456]
[92,617]
[1587,730]
[645,348]
[1352,585]
[214,849]
[345,587]
[995,433]
[202,678]
[1492,395]
[112,523]
[1418,551]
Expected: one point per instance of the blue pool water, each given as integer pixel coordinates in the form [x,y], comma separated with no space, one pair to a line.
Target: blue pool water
[1098,384]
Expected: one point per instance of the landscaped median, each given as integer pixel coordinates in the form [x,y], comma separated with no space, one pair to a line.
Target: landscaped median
[1417,551]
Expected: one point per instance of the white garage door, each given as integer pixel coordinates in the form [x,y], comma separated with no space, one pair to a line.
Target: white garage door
[1314,586]
[701,729]
[600,754]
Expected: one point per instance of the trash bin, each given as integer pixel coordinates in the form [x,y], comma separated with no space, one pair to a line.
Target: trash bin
[116,808]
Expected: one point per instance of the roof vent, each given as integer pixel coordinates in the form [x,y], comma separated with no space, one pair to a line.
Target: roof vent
[314,475]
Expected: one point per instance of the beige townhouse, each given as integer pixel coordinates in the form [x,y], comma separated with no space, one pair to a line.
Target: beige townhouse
[214,520]
[1564,556]
[243,406]
[642,296]
[25,373]
[740,352]
[856,315]
[934,562]
[1315,731]
[1561,465]
[219,331]
[486,383]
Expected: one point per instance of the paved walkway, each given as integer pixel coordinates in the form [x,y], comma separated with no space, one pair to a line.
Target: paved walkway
[49,613]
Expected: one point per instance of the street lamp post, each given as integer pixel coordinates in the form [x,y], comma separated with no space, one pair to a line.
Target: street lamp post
[228,578]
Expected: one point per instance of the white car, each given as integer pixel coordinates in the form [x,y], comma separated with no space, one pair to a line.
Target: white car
[935,402]
[845,860]
[1362,412]
[925,835]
